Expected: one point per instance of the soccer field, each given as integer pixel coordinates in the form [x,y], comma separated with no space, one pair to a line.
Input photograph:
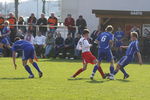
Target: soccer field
[56,83]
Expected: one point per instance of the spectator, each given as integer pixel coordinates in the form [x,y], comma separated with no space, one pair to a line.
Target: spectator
[70,23]
[119,36]
[42,21]
[77,52]
[22,22]
[52,21]
[69,46]
[1,22]
[49,44]
[12,21]
[32,21]
[39,43]
[1,28]
[136,29]
[20,33]
[81,23]
[29,37]
[59,45]
[146,48]
[94,35]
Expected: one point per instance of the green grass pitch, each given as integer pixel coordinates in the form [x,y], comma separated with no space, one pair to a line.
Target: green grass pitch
[56,83]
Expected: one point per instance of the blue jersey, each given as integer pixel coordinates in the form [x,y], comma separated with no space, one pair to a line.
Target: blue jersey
[119,35]
[21,45]
[5,39]
[132,49]
[5,30]
[104,39]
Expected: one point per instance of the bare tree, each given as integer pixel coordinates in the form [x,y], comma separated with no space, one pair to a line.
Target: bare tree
[43,8]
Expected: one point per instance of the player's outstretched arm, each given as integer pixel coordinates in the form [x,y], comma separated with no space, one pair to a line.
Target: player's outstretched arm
[140,58]
[124,47]
[14,59]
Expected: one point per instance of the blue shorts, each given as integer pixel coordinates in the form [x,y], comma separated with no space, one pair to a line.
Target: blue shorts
[125,60]
[28,53]
[105,54]
[6,40]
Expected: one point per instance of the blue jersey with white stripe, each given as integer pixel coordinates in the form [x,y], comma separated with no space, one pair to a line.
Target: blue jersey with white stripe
[104,39]
[132,49]
[21,45]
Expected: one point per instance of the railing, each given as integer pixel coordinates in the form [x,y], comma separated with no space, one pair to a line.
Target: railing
[60,28]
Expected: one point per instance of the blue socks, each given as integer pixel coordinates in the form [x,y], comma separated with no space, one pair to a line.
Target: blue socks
[123,71]
[111,69]
[115,72]
[95,69]
[36,66]
[28,69]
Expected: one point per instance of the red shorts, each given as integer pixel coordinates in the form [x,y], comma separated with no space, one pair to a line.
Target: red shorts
[88,57]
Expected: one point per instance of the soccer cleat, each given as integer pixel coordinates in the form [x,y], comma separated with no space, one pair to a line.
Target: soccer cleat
[126,76]
[111,77]
[91,77]
[40,74]
[106,75]
[31,76]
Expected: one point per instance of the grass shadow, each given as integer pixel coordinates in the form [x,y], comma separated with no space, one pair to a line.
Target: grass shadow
[75,79]
[60,60]
[123,80]
[13,78]
[96,81]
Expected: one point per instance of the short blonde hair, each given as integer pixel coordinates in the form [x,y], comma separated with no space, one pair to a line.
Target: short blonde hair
[109,28]
[6,21]
[134,34]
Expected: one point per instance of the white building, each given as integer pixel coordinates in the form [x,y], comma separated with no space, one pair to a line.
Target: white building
[84,7]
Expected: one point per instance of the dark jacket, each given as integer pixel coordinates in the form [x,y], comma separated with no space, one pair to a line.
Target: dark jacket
[42,21]
[69,42]
[59,41]
[81,23]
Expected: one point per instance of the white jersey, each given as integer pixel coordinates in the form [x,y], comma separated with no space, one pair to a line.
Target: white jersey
[83,45]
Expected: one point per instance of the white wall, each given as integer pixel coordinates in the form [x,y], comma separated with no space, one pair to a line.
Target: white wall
[84,7]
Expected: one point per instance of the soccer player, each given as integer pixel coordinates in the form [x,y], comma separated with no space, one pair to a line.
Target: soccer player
[132,49]
[87,56]
[28,53]
[105,42]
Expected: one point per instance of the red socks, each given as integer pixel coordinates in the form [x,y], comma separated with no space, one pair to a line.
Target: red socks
[101,71]
[78,72]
